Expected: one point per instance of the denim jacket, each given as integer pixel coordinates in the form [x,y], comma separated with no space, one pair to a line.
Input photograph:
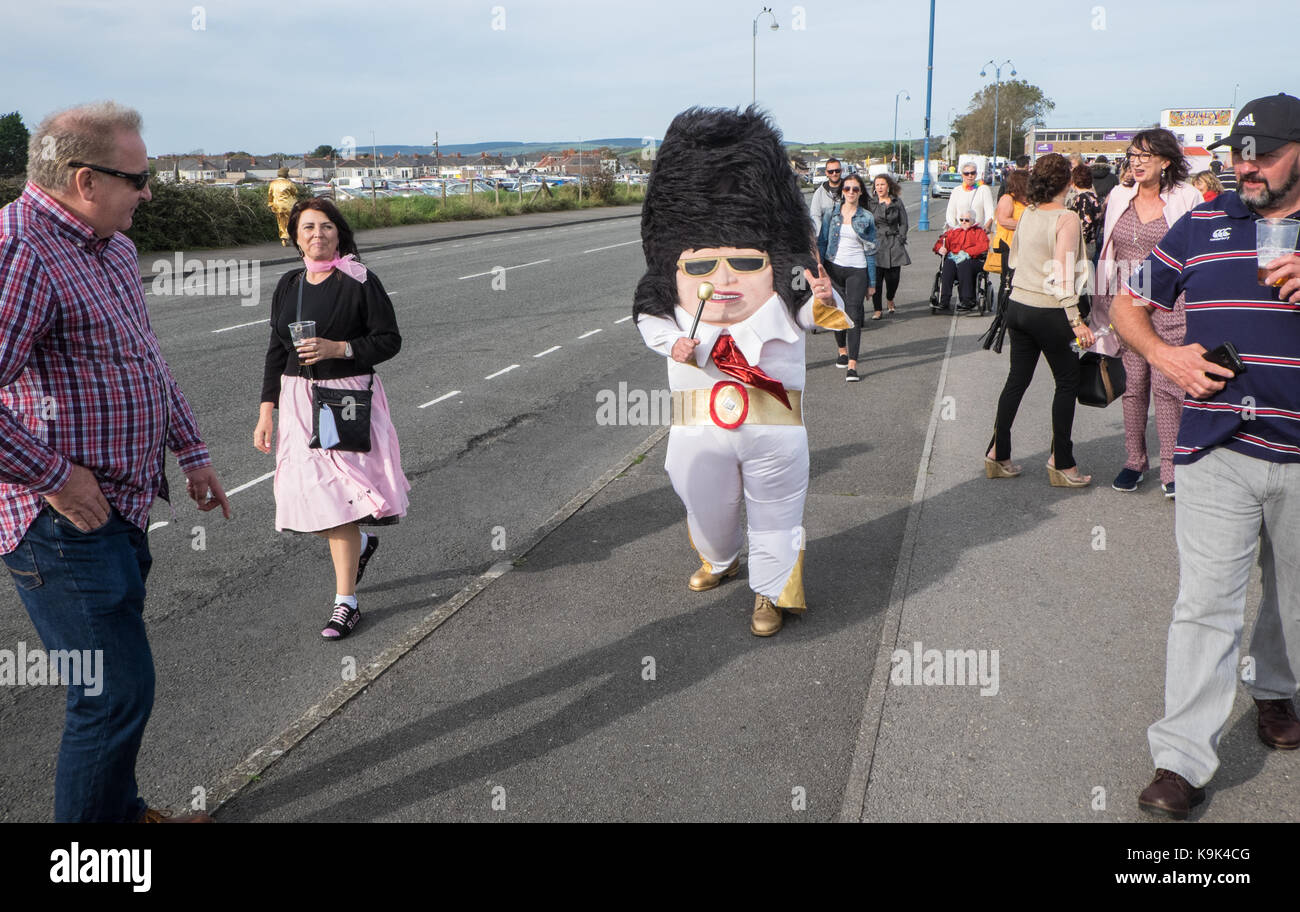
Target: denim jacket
[864,224]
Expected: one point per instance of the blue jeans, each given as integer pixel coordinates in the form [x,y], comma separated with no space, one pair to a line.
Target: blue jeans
[1227,504]
[85,591]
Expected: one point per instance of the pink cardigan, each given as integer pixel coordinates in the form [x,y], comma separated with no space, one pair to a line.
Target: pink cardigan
[1179,200]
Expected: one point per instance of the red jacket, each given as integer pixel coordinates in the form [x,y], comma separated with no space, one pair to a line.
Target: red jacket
[972,240]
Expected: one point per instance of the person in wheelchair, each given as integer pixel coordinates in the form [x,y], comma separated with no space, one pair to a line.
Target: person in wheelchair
[963,250]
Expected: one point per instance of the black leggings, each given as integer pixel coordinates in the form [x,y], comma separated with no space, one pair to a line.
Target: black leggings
[852,285]
[1036,330]
[887,278]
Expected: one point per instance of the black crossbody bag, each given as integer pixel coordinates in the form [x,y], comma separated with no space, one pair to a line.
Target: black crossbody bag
[348,410]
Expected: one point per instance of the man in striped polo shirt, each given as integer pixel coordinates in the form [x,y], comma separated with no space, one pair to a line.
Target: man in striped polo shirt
[1238,455]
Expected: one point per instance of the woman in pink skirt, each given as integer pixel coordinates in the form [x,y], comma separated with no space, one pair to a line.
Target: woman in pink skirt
[331,492]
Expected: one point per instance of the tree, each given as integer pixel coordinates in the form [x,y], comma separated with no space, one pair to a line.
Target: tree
[13,145]
[323,151]
[1018,103]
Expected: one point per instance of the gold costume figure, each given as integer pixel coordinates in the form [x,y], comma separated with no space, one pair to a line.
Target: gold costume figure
[281,194]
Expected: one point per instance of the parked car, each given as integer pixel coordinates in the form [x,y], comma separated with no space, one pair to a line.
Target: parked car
[948,181]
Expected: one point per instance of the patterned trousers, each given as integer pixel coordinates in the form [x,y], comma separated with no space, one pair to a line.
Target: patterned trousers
[1143,381]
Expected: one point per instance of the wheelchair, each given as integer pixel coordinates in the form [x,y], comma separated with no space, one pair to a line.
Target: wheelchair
[986,294]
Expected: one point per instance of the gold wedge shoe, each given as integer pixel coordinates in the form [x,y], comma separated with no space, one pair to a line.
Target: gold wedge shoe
[704,579]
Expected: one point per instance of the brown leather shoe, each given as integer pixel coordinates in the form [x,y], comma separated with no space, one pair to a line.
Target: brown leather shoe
[766,619]
[154,815]
[1278,726]
[1171,795]
[704,579]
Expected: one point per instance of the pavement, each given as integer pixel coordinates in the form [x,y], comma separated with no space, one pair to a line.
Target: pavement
[582,681]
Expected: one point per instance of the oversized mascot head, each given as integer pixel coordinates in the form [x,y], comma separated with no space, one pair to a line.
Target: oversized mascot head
[723,206]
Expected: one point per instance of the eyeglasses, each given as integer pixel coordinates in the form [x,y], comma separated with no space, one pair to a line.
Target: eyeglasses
[852,189]
[137,180]
[833,171]
[1140,157]
[968,174]
[964,221]
[699,267]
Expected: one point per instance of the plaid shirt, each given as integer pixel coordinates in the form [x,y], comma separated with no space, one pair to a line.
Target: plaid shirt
[82,379]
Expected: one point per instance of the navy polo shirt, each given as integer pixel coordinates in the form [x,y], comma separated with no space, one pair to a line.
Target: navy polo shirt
[1209,254]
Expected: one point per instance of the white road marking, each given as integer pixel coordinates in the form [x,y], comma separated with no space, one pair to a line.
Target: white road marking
[247,485]
[591,333]
[548,351]
[479,275]
[612,246]
[157,525]
[440,398]
[504,370]
[241,326]
[624,320]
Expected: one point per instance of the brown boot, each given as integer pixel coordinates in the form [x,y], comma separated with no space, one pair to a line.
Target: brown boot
[704,578]
[766,619]
[154,815]
[1171,795]
[1278,726]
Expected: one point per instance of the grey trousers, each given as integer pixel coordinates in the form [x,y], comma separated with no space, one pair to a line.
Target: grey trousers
[1228,503]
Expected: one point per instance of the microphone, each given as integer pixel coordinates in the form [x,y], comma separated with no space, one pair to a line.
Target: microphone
[705,292]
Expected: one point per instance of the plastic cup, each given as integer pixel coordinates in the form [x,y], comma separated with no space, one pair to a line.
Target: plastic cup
[1274,237]
[303,330]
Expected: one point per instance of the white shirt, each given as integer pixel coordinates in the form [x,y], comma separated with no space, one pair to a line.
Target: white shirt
[768,338]
[962,200]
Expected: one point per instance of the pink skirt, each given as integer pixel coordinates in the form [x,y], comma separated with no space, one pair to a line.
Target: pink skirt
[319,489]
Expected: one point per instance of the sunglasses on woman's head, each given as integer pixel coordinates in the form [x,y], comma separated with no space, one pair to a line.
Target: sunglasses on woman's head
[699,267]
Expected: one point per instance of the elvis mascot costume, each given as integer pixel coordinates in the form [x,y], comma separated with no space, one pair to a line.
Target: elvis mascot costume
[726,238]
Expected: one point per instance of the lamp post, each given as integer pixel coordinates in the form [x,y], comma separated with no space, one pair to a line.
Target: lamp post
[768,11]
[997,84]
[909,98]
[923,223]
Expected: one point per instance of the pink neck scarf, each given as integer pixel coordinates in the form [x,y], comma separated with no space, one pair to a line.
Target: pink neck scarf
[347,264]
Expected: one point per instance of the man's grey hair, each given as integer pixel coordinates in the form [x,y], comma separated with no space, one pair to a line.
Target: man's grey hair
[87,133]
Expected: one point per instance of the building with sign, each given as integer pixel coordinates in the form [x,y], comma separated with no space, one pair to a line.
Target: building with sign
[1197,126]
[1087,141]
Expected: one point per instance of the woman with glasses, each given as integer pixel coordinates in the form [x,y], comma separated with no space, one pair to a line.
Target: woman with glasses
[891,240]
[1043,318]
[847,244]
[1137,217]
[971,195]
[963,250]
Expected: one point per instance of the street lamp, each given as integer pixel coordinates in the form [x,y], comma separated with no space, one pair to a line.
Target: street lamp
[909,98]
[768,11]
[997,84]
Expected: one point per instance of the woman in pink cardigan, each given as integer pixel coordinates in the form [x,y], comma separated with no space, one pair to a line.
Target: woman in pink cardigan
[1137,217]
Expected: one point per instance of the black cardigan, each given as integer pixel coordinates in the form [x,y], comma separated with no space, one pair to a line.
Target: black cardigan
[361,314]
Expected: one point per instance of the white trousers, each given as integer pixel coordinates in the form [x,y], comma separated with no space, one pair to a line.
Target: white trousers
[711,468]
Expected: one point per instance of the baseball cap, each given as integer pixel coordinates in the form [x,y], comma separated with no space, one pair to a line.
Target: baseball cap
[1272,121]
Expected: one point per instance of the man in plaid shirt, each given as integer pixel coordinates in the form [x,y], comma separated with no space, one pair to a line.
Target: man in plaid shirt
[87,404]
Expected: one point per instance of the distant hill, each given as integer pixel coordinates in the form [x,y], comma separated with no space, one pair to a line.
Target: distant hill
[508,147]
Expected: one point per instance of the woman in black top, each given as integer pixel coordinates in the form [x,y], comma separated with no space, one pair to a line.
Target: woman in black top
[328,491]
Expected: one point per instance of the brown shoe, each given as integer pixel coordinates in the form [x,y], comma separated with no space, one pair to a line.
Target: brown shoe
[1171,795]
[154,815]
[704,578]
[766,619]
[1278,726]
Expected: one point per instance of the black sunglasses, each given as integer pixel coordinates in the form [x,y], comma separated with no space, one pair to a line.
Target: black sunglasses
[834,171]
[968,174]
[137,180]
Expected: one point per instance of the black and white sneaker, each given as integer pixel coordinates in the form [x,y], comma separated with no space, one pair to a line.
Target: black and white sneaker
[371,547]
[842,362]
[851,376]
[342,621]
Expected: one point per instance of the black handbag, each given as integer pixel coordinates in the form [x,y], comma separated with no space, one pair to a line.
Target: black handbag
[346,411]
[1101,379]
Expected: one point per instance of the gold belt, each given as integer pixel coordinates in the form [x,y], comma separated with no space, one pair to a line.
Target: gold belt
[730,404]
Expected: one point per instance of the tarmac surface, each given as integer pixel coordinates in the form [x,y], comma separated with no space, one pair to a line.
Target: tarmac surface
[579,679]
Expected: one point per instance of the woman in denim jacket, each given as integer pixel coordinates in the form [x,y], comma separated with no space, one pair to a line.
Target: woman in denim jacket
[850,259]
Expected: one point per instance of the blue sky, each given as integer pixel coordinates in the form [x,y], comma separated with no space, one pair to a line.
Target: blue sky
[287,76]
